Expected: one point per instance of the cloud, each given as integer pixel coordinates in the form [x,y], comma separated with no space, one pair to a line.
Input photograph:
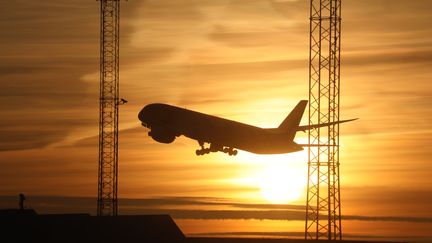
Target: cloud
[168,205]
[27,139]
[207,201]
[346,236]
[388,218]
[50,46]
[402,58]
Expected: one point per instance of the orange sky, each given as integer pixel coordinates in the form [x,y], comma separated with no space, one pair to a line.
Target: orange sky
[245,60]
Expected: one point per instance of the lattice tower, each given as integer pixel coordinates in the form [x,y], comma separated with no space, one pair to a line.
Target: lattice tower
[323,213]
[108,107]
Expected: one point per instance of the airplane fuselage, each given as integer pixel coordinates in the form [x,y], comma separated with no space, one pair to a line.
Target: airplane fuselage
[167,122]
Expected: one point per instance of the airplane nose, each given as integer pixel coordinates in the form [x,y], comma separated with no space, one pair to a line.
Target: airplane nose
[143,114]
[151,114]
[146,115]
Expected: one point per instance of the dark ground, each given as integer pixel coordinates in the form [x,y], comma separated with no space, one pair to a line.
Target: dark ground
[27,226]
[252,240]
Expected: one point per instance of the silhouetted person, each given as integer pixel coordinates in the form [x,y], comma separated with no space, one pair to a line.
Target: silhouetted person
[21,201]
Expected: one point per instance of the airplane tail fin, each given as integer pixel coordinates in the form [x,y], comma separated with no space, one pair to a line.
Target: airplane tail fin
[292,121]
[294,118]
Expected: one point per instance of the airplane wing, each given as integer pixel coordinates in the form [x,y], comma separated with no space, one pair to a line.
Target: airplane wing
[309,127]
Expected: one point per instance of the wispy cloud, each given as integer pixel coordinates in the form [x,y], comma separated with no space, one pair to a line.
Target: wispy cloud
[170,205]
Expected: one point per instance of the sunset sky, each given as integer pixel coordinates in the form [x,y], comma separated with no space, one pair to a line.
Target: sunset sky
[245,60]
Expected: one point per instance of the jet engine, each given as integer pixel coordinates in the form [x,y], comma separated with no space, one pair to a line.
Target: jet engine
[161,136]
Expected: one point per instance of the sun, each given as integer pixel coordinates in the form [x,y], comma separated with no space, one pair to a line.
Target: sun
[279,178]
[281,183]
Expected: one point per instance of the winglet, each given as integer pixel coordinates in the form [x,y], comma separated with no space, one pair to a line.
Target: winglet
[294,118]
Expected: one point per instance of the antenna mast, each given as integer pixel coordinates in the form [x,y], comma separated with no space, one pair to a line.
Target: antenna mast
[323,211]
[108,107]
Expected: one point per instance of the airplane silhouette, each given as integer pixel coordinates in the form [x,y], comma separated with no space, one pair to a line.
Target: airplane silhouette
[167,122]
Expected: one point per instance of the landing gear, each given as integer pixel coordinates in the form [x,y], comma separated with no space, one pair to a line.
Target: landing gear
[202,151]
[232,152]
[215,148]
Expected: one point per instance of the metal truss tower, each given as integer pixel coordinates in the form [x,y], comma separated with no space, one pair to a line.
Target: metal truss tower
[323,212]
[108,107]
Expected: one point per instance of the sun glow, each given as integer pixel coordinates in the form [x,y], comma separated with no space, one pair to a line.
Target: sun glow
[282,183]
[280,178]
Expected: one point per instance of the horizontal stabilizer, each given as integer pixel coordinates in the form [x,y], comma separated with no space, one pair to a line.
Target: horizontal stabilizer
[318,145]
[309,127]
